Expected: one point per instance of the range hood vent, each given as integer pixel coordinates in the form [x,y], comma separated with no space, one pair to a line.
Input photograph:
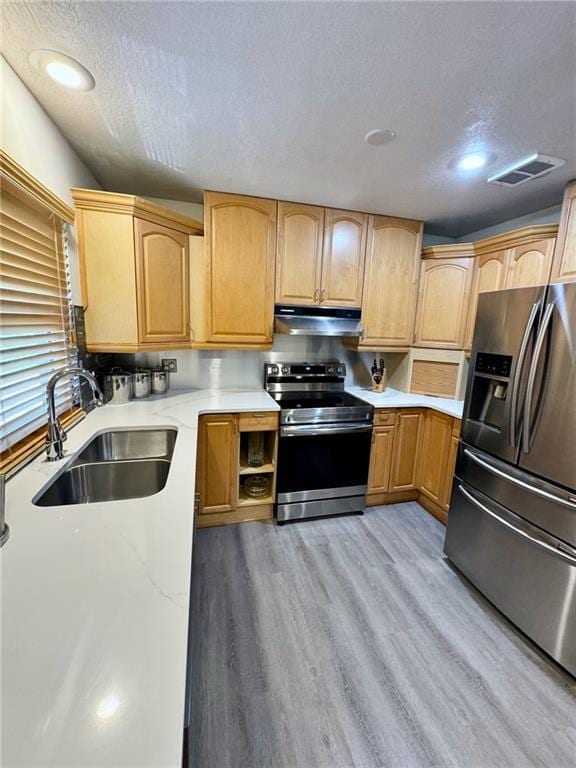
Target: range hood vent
[316,321]
[523,170]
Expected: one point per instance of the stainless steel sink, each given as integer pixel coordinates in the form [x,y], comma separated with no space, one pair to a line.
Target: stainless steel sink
[115,465]
[121,445]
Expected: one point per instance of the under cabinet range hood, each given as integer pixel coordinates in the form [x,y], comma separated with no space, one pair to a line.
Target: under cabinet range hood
[317,321]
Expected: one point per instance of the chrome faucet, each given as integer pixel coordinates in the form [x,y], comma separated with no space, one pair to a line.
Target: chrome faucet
[56,434]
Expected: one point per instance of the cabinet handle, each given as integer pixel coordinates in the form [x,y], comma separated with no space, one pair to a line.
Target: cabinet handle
[322,295]
[317,295]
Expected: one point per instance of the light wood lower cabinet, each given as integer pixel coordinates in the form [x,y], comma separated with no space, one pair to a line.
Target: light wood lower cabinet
[403,474]
[218,455]
[434,451]
[381,459]
[414,459]
[223,467]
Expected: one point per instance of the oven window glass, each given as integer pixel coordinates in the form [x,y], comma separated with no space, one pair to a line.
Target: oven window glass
[328,461]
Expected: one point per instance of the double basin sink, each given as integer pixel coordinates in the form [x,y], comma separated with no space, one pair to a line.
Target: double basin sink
[115,465]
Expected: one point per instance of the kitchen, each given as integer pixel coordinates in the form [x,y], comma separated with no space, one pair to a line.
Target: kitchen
[288,385]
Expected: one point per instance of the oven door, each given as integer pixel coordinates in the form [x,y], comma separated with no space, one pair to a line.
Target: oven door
[322,462]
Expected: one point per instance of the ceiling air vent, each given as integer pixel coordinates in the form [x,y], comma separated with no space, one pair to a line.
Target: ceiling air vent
[523,170]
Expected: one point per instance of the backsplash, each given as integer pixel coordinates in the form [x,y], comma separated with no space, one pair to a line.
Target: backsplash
[244,369]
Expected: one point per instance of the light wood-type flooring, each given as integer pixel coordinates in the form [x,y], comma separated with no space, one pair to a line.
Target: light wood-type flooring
[353,642]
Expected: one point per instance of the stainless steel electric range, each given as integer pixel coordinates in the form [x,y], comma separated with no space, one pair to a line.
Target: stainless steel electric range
[325,437]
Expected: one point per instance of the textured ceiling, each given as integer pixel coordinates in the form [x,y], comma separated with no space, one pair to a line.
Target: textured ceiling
[274,99]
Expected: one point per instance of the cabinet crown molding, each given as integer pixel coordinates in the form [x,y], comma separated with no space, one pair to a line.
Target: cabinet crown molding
[449,251]
[18,175]
[114,202]
[515,238]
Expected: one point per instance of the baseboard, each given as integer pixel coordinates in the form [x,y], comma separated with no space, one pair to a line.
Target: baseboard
[435,509]
[242,515]
[393,497]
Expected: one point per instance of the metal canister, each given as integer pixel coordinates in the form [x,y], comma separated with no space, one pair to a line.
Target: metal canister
[118,387]
[159,381]
[141,383]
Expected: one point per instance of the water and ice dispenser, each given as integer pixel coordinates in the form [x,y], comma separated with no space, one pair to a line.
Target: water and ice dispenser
[490,389]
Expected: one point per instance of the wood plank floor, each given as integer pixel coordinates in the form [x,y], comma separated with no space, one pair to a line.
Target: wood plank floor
[353,642]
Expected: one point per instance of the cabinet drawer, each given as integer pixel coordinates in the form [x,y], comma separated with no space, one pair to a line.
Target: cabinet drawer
[254,422]
[456,427]
[383,417]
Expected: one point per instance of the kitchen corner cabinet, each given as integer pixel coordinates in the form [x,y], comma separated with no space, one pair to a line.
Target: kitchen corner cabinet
[134,268]
[390,282]
[320,256]
[443,296]
[240,243]
[564,266]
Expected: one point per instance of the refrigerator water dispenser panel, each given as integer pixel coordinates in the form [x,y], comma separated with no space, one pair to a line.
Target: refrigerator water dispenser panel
[490,389]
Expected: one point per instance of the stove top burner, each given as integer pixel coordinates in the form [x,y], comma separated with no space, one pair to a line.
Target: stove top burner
[316,400]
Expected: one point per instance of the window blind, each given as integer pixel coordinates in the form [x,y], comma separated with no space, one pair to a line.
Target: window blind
[35,316]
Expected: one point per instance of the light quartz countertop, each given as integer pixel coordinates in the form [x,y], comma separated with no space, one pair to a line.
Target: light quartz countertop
[393,398]
[95,604]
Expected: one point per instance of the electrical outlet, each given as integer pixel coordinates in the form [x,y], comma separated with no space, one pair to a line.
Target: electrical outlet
[169,364]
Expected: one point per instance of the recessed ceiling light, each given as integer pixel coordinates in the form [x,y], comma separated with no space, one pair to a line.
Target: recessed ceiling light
[63,69]
[472,161]
[379,137]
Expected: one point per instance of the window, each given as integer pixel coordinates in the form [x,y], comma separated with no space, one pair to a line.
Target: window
[35,321]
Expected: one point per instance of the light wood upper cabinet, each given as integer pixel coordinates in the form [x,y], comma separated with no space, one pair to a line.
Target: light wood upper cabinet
[390,281]
[444,296]
[403,473]
[434,452]
[134,268]
[162,274]
[299,253]
[217,469]
[530,264]
[564,267]
[381,459]
[240,247]
[489,275]
[343,258]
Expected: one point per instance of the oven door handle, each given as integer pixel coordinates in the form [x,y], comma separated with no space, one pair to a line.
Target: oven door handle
[313,430]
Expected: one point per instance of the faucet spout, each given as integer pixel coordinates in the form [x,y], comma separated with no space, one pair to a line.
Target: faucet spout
[56,435]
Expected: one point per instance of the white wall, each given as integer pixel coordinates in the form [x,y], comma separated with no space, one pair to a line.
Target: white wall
[545,216]
[30,137]
[193,210]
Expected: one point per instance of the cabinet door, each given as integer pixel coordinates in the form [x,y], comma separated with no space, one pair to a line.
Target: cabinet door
[489,274]
[449,473]
[443,299]
[380,459]
[405,451]
[530,264]
[433,457]
[343,258]
[240,240]
[564,267]
[390,281]
[162,280]
[299,253]
[217,472]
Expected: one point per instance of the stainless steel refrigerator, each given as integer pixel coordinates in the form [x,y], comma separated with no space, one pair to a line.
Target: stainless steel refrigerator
[512,522]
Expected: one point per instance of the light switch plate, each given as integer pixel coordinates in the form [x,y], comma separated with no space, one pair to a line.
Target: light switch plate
[169,364]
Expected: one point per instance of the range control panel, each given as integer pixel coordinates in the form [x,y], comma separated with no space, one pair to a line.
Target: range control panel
[496,365]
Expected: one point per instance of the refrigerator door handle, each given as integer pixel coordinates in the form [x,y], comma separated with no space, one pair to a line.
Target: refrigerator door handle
[518,373]
[571,504]
[525,530]
[526,437]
